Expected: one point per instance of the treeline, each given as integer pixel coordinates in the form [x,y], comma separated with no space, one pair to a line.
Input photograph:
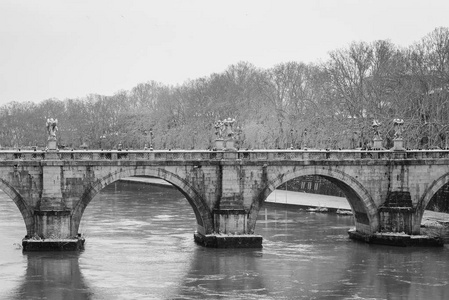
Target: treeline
[330,104]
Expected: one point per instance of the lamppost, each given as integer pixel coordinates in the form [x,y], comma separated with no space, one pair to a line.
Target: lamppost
[151,139]
[355,139]
[305,138]
[193,139]
[291,139]
[239,136]
[445,140]
[145,133]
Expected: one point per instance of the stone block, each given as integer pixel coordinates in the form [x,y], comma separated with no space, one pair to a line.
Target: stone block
[396,219]
[230,221]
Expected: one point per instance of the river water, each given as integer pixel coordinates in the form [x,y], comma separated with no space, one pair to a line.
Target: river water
[139,245]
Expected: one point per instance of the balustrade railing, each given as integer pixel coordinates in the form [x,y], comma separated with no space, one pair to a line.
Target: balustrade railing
[197,155]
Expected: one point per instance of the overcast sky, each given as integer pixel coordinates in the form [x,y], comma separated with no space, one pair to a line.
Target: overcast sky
[69,49]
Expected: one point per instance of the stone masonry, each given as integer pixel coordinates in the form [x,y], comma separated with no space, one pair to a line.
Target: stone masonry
[388,191]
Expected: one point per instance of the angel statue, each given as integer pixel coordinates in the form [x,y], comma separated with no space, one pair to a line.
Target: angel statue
[376,125]
[219,129]
[52,127]
[228,123]
[398,123]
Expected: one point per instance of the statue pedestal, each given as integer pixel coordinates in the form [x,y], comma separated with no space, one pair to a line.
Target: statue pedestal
[398,145]
[51,144]
[219,144]
[377,144]
[230,145]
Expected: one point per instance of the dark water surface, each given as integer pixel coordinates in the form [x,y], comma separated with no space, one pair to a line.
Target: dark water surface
[140,246]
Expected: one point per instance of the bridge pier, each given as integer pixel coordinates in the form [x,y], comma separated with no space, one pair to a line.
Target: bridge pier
[396,214]
[52,232]
[397,219]
[52,223]
[52,228]
[398,224]
[231,231]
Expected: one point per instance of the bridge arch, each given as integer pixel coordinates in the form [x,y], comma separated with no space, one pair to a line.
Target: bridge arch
[25,211]
[200,208]
[428,194]
[361,202]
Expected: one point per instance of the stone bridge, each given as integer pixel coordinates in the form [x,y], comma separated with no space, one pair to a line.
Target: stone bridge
[387,190]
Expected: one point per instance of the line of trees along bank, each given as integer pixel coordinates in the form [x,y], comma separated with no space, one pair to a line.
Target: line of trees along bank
[324,105]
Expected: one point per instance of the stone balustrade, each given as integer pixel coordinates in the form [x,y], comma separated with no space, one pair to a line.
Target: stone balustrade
[254,155]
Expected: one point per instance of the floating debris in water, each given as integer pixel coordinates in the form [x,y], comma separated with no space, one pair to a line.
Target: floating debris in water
[344,212]
[318,209]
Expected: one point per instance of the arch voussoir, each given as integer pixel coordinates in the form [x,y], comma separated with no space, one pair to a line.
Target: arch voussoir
[25,210]
[429,193]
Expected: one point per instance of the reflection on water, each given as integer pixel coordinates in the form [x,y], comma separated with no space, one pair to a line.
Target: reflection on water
[139,245]
[52,275]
